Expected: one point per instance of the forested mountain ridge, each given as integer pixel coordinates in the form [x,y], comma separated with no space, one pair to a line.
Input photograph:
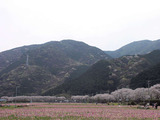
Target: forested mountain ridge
[49,65]
[108,75]
[10,56]
[135,48]
[150,76]
[71,67]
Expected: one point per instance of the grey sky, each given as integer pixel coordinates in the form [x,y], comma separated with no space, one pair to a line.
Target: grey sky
[106,24]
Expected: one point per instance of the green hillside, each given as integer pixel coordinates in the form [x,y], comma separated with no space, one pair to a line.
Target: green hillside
[50,64]
[152,75]
[95,79]
[108,75]
[10,56]
[135,48]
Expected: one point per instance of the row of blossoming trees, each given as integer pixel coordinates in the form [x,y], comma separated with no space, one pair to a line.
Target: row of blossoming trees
[120,95]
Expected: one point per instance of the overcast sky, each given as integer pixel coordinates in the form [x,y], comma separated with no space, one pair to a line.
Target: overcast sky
[106,24]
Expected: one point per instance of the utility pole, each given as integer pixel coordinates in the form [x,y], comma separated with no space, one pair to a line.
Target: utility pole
[16,96]
[148,87]
[148,90]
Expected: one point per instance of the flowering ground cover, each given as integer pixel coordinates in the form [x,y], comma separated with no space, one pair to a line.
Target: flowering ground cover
[45,111]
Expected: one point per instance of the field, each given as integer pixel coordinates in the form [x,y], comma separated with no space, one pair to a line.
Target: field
[70,111]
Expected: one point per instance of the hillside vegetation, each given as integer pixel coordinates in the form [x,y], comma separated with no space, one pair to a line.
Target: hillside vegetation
[109,75]
[151,75]
[50,64]
[136,48]
[71,67]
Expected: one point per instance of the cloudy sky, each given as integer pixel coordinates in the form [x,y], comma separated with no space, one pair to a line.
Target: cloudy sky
[106,24]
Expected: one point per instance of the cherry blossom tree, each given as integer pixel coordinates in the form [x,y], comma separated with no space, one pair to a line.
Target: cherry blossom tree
[79,98]
[155,91]
[124,94]
[103,97]
[140,94]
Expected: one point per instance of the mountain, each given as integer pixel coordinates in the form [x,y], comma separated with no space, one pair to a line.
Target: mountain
[50,64]
[108,75]
[93,80]
[135,48]
[141,80]
[10,56]
[30,80]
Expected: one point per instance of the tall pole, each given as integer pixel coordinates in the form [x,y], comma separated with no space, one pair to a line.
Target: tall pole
[16,96]
[148,90]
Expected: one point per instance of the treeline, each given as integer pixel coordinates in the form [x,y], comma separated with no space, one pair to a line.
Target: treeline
[120,95]
[108,75]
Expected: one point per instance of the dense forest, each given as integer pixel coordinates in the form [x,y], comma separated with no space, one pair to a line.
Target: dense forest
[75,68]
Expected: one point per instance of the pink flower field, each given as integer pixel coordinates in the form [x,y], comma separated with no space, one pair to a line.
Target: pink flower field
[76,112]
